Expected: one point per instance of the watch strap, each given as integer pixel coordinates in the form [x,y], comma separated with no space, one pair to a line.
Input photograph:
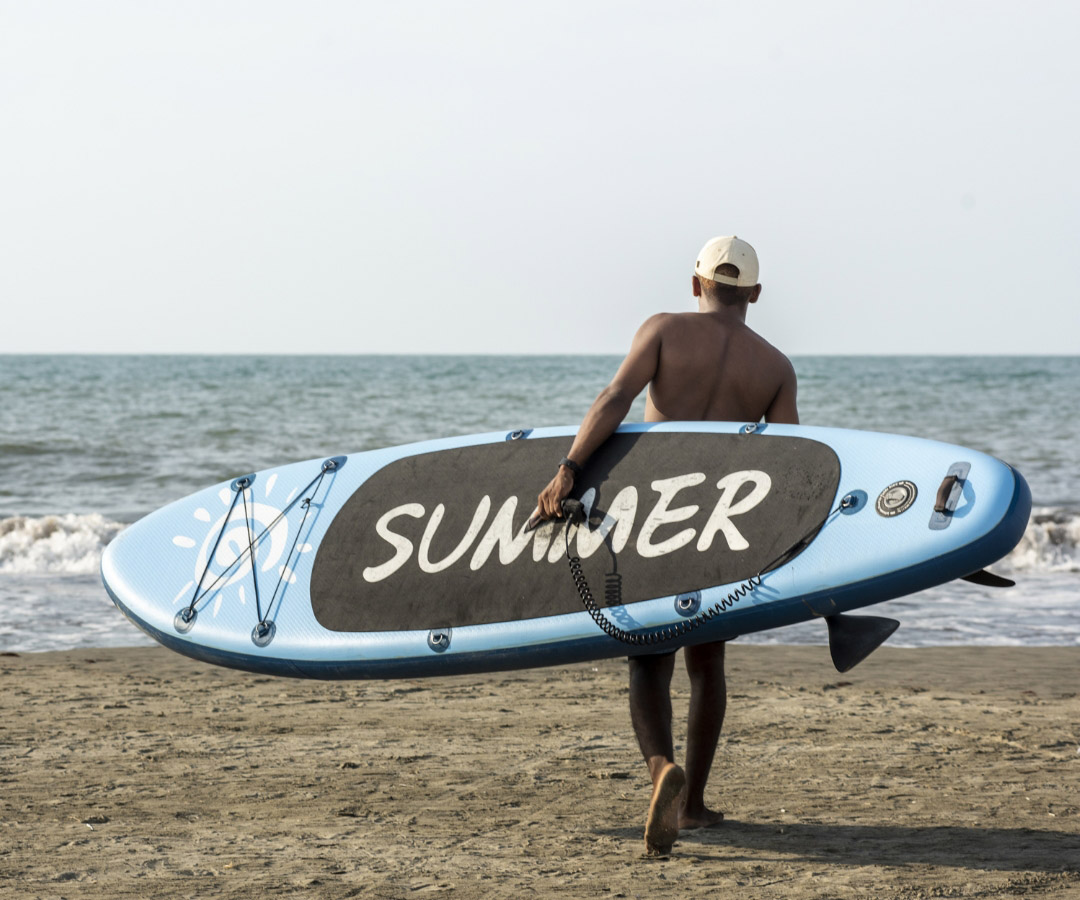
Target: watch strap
[571,465]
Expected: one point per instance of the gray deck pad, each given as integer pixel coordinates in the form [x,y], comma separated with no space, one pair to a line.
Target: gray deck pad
[437,540]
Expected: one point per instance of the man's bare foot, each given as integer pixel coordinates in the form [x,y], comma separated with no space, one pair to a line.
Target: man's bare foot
[662,825]
[699,818]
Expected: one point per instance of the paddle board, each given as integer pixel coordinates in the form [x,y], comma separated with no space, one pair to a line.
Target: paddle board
[417,560]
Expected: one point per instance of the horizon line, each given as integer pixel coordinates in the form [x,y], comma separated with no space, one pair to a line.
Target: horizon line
[490,354]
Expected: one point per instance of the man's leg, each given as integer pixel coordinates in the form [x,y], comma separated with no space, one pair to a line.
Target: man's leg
[650,708]
[650,713]
[708,701]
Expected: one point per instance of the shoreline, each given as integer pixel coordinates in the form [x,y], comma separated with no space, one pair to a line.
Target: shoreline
[938,771]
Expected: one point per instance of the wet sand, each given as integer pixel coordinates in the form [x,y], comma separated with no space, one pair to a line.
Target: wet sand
[921,773]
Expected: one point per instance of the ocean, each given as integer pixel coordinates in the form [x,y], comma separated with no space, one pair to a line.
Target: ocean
[88,444]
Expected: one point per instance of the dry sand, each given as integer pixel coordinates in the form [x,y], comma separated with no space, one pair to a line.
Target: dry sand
[922,773]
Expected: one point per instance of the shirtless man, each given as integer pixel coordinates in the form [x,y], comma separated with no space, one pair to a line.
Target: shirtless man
[704,365]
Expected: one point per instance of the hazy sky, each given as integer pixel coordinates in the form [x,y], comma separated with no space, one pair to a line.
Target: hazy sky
[351,177]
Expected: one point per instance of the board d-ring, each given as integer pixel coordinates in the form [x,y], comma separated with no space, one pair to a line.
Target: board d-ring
[687,605]
[333,463]
[852,502]
[263,633]
[184,620]
[438,639]
[242,483]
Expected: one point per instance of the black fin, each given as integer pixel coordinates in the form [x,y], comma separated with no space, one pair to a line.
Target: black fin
[853,638]
[988,579]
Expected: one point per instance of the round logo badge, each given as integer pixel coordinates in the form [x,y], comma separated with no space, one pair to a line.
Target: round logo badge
[896,498]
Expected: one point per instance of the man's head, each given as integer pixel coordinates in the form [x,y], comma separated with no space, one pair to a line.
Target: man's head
[726,272]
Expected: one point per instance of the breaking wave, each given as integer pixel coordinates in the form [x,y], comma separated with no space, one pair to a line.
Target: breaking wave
[70,544]
[1050,543]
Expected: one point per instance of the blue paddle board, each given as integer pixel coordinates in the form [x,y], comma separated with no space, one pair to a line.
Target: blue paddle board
[418,560]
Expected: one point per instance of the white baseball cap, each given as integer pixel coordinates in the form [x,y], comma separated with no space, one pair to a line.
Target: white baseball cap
[730,250]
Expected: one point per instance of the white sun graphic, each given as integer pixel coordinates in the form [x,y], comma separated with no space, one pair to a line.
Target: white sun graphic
[234,542]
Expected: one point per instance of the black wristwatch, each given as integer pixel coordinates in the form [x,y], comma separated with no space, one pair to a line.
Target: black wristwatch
[571,465]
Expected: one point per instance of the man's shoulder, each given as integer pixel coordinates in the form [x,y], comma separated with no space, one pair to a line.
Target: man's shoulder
[658,320]
[663,321]
[776,352]
[768,358]
[658,326]
[779,363]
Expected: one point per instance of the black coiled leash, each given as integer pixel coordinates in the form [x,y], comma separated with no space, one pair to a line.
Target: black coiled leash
[574,511]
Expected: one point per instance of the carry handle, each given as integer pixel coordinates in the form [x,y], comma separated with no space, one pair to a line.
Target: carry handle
[943,492]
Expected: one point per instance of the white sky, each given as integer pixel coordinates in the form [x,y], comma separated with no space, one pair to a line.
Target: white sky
[352,177]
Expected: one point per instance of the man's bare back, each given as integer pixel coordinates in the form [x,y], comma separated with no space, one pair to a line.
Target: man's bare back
[712,367]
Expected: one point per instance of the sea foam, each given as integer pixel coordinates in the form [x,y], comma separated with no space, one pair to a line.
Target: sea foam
[1051,543]
[68,544]
[71,544]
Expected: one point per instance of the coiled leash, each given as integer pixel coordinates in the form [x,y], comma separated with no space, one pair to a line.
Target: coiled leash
[574,511]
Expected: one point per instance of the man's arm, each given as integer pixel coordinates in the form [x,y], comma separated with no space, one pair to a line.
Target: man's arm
[607,411]
[783,410]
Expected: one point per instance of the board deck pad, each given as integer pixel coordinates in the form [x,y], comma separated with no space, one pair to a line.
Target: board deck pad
[436,540]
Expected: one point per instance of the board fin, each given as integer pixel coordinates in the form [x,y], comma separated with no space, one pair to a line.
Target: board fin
[988,579]
[853,638]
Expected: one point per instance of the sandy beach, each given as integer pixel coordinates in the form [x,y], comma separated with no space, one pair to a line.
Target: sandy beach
[922,773]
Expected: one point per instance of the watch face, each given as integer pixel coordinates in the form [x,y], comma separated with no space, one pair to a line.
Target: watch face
[896,498]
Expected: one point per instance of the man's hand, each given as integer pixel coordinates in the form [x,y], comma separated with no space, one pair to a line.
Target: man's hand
[549,503]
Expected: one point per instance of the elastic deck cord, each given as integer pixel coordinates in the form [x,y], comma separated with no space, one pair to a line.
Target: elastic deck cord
[573,510]
[253,541]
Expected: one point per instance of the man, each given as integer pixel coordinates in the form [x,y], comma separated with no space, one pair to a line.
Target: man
[706,365]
